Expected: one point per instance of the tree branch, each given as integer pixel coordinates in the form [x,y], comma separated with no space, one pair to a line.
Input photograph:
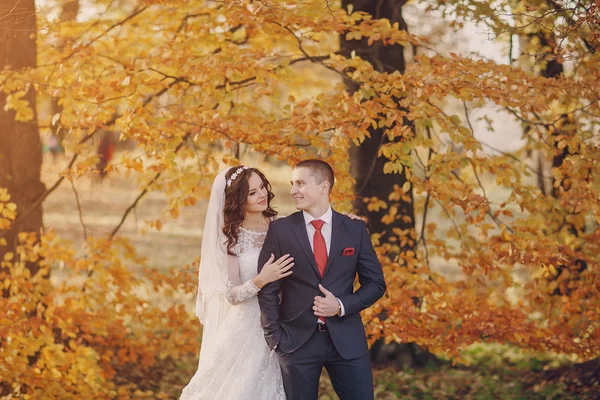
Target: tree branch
[122,22]
[184,21]
[468,119]
[488,208]
[450,219]
[349,82]
[426,207]
[142,194]
[75,156]
[372,166]
[79,210]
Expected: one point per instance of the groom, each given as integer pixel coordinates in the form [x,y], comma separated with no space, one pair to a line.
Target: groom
[311,318]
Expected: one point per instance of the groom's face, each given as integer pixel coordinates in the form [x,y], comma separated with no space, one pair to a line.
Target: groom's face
[306,190]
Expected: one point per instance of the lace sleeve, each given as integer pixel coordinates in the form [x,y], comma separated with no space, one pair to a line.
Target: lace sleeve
[238,292]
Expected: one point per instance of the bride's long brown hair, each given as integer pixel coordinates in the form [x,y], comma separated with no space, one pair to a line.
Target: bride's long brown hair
[236,196]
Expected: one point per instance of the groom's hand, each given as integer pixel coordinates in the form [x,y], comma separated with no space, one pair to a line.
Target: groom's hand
[326,306]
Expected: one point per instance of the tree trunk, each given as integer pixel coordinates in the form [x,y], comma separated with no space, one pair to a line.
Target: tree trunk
[553,69]
[69,12]
[20,144]
[367,167]
[564,127]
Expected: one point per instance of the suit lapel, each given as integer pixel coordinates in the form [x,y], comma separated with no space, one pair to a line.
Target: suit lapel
[337,232]
[302,237]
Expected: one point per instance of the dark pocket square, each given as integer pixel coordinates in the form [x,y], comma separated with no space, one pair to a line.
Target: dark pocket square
[348,251]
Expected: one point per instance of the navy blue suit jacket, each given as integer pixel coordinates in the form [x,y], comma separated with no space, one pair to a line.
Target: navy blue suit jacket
[289,321]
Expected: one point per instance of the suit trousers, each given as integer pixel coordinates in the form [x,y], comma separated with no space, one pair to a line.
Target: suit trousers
[301,370]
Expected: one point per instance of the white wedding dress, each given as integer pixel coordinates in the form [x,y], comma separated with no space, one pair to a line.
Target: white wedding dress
[239,365]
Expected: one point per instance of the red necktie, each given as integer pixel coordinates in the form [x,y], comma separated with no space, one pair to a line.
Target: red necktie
[319,249]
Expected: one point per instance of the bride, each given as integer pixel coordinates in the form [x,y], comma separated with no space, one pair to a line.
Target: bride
[235,360]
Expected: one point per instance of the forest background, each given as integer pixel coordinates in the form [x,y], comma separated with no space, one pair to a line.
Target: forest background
[464,131]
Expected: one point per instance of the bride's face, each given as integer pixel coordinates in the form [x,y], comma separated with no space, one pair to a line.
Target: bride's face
[256,201]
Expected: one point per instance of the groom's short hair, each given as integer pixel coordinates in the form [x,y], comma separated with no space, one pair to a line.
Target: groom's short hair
[321,170]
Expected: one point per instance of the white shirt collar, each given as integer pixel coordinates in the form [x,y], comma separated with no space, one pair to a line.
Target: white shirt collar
[325,217]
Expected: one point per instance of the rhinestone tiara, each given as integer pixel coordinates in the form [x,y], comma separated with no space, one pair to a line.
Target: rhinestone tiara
[235,175]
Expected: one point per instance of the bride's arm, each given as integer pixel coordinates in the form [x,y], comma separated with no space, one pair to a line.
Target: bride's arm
[238,292]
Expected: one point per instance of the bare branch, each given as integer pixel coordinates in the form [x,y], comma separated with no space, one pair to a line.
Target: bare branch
[468,119]
[79,210]
[328,6]
[184,21]
[515,158]
[426,207]
[120,23]
[75,156]
[142,194]
[450,218]
[488,208]
[316,60]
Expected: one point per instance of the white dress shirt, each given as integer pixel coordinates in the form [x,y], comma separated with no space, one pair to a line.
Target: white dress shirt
[325,231]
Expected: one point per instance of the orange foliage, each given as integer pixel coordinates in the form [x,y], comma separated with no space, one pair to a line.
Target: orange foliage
[179,76]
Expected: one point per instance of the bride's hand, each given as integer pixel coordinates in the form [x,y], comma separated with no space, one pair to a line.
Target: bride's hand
[353,216]
[275,270]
